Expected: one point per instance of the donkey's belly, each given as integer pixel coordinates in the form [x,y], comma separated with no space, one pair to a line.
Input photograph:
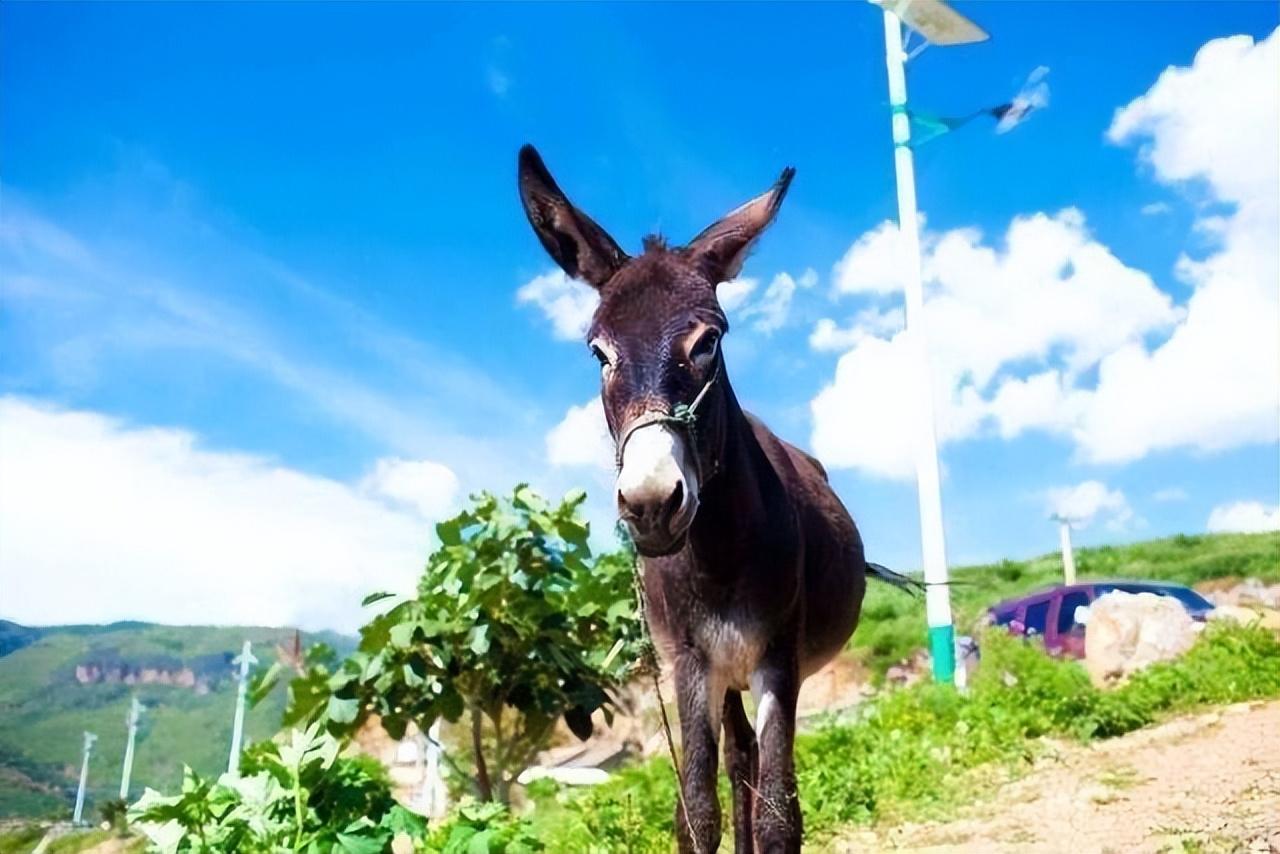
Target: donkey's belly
[733,647]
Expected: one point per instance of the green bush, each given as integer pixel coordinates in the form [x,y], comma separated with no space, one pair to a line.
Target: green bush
[298,795]
[483,828]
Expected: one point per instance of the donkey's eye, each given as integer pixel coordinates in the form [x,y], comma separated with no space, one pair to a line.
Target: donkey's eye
[603,352]
[705,347]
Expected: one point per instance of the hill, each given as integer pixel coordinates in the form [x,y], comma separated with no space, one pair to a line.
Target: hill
[56,682]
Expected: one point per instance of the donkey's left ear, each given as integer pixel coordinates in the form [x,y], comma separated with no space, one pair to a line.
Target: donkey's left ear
[721,248]
[583,249]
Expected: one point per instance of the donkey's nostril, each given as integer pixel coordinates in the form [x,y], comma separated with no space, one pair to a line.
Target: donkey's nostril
[673,503]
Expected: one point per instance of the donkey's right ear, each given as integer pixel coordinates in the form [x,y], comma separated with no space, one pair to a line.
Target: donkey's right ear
[583,249]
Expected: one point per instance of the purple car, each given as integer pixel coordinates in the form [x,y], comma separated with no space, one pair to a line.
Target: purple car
[1051,613]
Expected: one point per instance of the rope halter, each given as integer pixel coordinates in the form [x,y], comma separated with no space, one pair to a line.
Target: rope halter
[683,417]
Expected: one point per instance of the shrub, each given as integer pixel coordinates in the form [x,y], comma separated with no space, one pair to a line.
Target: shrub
[298,795]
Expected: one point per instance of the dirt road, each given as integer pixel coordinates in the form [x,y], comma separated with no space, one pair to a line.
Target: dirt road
[1207,783]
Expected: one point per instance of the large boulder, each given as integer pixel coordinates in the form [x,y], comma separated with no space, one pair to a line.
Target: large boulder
[1127,632]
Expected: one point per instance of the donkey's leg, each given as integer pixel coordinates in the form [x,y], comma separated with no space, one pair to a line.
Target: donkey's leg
[698,825]
[776,684]
[740,760]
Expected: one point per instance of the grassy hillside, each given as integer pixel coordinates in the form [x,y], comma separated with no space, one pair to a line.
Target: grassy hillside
[44,708]
[893,625]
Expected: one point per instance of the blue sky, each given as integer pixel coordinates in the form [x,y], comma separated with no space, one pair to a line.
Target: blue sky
[267,258]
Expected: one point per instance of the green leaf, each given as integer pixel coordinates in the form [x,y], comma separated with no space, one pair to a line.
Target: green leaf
[480,639]
[342,710]
[362,844]
[374,597]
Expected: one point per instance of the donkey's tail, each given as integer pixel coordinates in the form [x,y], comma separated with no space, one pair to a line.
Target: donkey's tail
[897,579]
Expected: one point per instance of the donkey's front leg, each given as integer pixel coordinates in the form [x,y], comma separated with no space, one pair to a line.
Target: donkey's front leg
[700,704]
[740,761]
[778,824]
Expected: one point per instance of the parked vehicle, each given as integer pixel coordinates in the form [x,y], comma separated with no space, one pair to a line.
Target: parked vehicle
[1051,614]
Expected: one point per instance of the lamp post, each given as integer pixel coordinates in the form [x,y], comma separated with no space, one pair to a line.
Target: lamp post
[1068,556]
[941,25]
[135,712]
[78,815]
[245,659]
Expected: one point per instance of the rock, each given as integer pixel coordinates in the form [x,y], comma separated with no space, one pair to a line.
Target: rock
[1131,631]
[1268,618]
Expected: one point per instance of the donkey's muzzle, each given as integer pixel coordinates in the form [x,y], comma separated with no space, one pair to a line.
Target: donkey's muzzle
[657,489]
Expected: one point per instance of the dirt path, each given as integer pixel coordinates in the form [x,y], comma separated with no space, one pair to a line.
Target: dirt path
[1207,783]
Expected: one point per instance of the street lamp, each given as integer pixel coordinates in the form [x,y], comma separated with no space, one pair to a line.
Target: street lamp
[939,24]
[1068,556]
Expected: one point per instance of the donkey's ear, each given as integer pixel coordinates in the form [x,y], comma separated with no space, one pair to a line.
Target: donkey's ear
[721,248]
[583,249]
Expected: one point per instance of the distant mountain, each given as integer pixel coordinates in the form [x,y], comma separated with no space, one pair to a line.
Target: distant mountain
[58,681]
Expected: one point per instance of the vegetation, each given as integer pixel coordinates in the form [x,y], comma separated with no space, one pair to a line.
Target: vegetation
[914,750]
[44,708]
[295,795]
[893,625]
[514,626]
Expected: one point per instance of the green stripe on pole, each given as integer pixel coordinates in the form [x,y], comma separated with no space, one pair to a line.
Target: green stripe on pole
[942,646]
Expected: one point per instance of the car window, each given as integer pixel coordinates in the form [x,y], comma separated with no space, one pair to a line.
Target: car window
[1067,610]
[1037,614]
[1004,618]
[1191,599]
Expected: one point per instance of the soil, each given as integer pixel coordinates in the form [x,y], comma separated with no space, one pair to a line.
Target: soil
[1206,783]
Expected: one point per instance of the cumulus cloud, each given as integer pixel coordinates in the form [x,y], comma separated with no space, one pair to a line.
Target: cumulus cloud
[427,487]
[1248,517]
[769,313]
[733,293]
[1051,331]
[567,303]
[1051,296]
[581,438]
[1087,502]
[103,521]
[829,337]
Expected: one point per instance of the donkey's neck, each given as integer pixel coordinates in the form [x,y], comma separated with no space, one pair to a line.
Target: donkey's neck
[736,502]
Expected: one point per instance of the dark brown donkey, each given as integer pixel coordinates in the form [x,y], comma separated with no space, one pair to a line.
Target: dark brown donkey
[753,568]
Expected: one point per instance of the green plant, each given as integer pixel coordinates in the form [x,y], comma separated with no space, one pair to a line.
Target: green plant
[114,811]
[514,625]
[295,795]
[483,828]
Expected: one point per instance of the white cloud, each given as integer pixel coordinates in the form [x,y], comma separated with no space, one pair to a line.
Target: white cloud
[581,438]
[1086,502]
[1053,297]
[1216,382]
[1156,208]
[769,313]
[102,521]
[1014,331]
[567,303]
[1244,517]
[830,337]
[733,293]
[428,487]
[499,81]
[1170,493]
[871,264]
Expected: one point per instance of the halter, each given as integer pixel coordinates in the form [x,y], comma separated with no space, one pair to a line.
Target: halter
[683,417]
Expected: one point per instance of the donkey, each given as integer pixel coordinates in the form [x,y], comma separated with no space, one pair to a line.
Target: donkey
[754,570]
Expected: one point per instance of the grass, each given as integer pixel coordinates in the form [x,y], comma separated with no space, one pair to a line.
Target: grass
[20,840]
[921,751]
[892,625]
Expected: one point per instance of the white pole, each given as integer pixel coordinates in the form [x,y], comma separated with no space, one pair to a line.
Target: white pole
[1068,556]
[135,711]
[245,659]
[436,794]
[89,739]
[932,542]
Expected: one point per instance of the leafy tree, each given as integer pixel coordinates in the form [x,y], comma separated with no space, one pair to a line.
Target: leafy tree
[514,625]
[296,795]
